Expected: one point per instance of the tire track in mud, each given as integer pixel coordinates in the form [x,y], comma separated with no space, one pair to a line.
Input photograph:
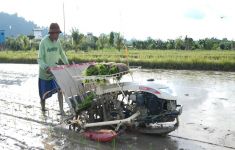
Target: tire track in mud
[200,141]
[23,144]
[29,119]
[25,105]
[47,119]
[52,116]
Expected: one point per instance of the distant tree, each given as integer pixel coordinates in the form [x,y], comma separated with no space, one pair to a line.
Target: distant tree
[111,39]
[91,41]
[208,44]
[119,41]
[83,44]
[151,43]
[222,46]
[138,44]
[20,43]
[225,44]
[170,44]
[77,37]
[216,43]
[233,45]
[201,44]
[179,44]
[95,39]
[188,43]
[102,41]
[24,43]
[67,43]
[9,43]
[161,44]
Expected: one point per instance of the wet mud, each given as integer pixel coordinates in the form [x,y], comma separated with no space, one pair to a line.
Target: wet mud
[207,121]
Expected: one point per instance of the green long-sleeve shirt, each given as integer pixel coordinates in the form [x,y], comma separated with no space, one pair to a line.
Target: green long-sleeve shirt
[49,55]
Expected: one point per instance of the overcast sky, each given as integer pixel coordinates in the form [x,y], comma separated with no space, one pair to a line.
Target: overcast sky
[159,19]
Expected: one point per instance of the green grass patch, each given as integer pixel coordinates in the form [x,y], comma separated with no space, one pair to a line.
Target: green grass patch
[154,59]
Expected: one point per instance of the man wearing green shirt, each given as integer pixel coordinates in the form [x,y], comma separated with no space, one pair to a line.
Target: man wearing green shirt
[49,55]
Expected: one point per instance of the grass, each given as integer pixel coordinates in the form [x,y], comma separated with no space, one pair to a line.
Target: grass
[164,59]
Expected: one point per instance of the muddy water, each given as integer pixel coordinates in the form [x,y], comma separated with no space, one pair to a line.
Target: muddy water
[207,121]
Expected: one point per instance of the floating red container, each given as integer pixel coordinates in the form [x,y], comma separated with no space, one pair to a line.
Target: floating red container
[100,135]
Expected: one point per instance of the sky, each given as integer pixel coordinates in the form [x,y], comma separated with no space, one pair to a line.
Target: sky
[134,19]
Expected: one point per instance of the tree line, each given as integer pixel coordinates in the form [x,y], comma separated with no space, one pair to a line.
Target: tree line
[79,41]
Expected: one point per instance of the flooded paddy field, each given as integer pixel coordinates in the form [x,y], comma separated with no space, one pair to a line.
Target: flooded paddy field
[207,121]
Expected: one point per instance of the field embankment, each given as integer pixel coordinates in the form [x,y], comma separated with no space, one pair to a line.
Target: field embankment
[154,59]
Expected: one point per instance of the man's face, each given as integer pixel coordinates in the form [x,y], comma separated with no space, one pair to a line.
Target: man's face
[54,36]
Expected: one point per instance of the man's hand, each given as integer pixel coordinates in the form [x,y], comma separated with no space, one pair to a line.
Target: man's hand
[60,62]
[48,71]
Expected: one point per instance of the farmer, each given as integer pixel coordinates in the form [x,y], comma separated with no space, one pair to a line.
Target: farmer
[49,55]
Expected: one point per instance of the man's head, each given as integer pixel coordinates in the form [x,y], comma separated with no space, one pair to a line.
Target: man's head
[54,31]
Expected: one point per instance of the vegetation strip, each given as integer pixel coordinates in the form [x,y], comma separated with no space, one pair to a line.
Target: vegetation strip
[219,60]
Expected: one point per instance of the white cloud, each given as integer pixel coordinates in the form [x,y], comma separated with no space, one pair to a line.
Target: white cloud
[164,19]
